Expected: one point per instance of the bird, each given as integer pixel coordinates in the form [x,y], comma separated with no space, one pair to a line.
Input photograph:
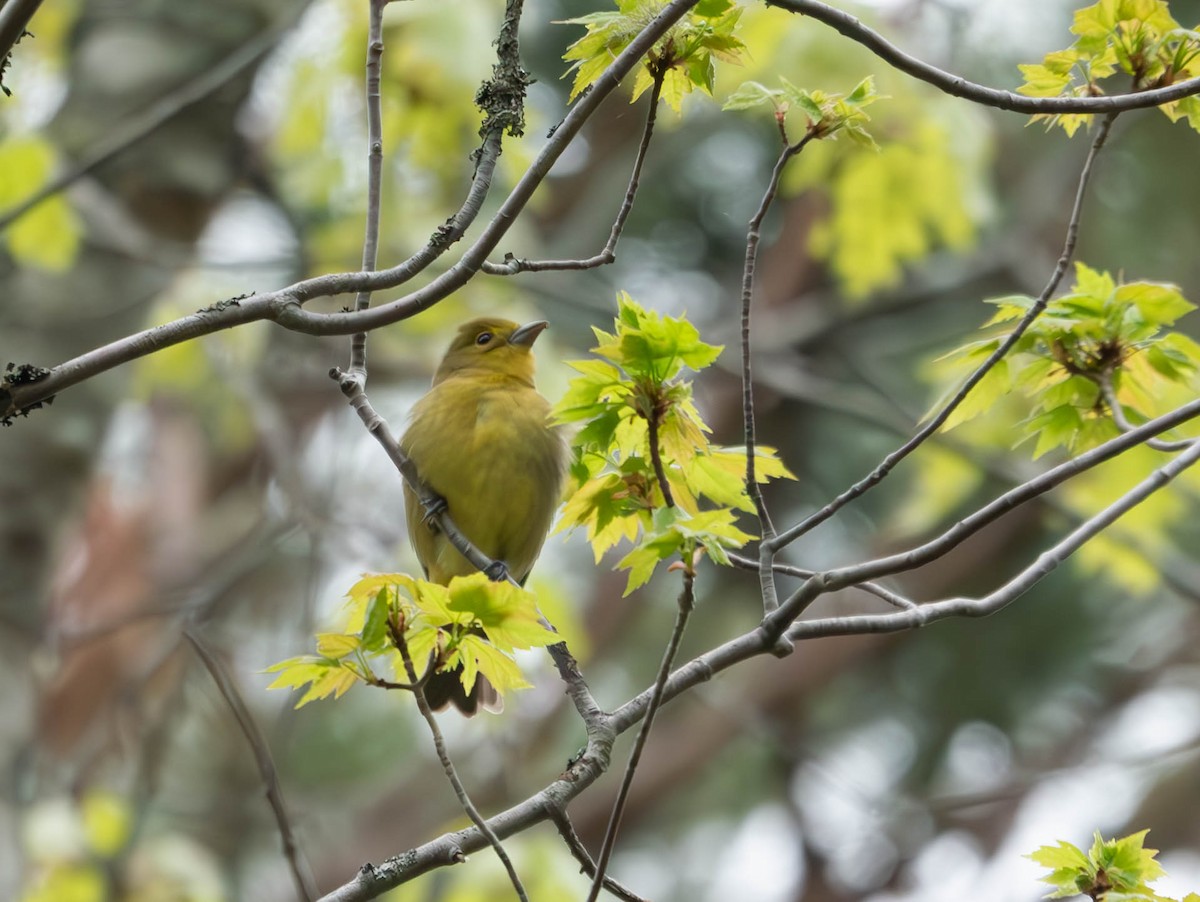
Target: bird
[481,438]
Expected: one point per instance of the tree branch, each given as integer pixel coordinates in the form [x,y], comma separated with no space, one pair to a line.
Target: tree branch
[935,423]
[567,831]
[301,876]
[15,15]
[439,743]
[1104,383]
[285,306]
[895,599]
[766,576]
[686,604]
[855,30]
[370,252]
[513,265]
[1011,590]
[833,580]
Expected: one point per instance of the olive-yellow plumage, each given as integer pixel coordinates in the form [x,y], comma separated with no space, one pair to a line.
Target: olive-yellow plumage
[481,438]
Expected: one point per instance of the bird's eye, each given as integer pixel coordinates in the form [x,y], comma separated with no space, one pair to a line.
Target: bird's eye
[483,338]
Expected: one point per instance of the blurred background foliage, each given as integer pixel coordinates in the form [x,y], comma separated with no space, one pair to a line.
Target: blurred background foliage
[224,485]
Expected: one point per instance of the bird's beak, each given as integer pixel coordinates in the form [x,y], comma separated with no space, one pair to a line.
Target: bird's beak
[526,334]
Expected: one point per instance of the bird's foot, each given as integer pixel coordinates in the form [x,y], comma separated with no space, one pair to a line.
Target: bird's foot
[435,505]
[496,571]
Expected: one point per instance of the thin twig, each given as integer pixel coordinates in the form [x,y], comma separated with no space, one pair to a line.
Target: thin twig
[935,423]
[957,86]
[766,530]
[439,742]
[129,132]
[301,876]
[285,306]
[895,599]
[587,768]
[1012,589]
[1104,383]
[586,865]
[687,603]
[833,580]
[513,265]
[421,683]
[370,251]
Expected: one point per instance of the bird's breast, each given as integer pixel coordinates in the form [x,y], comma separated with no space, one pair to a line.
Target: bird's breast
[489,450]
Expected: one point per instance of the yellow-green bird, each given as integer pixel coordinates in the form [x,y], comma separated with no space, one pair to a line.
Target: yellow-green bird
[481,438]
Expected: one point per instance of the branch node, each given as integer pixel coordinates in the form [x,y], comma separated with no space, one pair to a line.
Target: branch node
[783,647]
[496,571]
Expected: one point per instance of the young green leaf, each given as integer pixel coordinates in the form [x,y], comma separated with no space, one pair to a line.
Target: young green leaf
[1137,38]
[616,493]
[683,59]
[1101,337]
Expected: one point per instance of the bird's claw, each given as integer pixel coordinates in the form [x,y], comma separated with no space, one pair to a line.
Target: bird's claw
[496,571]
[435,505]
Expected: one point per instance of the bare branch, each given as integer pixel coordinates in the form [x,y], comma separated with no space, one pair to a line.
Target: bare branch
[567,830]
[935,423]
[1015,587]
[301,876]
[370,253]
[687,603]
[833,580]
[856,31]
[1115,407]
[895,599]
[439,743]
[766,576]
[284,306]
[513,265]
[15,15]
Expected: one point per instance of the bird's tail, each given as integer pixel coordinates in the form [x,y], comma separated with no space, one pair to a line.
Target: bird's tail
[446,688]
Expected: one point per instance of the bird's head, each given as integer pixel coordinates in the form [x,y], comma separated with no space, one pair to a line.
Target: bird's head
[492,346]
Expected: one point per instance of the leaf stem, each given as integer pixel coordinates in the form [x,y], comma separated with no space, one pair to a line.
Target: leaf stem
[653,416]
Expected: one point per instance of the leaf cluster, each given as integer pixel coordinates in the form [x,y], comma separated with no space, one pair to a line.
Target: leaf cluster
[827,115]
[684,58]
[635,408]
[1138,38]
[1113,870]
[1102,335]
[473,623]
